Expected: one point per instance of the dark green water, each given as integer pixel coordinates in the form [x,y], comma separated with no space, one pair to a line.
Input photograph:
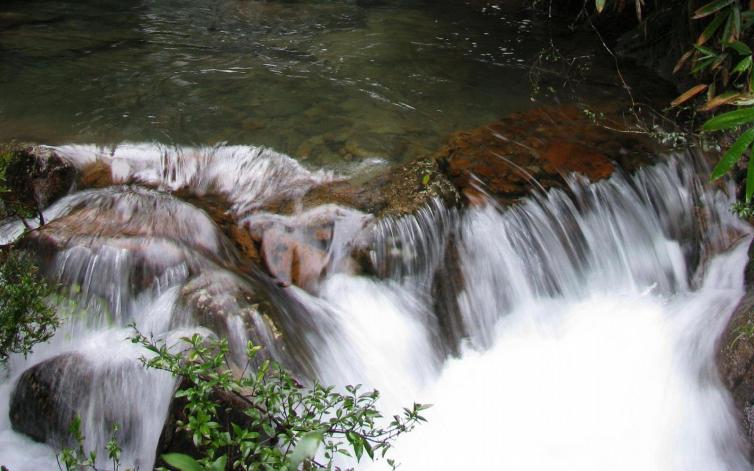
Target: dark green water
[326,81]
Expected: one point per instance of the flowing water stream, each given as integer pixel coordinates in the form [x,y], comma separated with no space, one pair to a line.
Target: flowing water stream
[584,322]
[574,331]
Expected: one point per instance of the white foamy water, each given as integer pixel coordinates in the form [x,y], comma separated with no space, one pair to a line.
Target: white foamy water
[606,382]
[575,331]
[248,176]
[590,323]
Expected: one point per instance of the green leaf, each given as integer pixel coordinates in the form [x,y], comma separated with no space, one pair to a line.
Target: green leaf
[750,179]
[747,19]
[182,462]
[368,448]
[736,20]
[711,28]
[740,48]
[743,66]
[600,5]
[711,8]
[357,443]
[729,120]
[702,64]
[708,53]
[733,155]
[219,464]
[306,448]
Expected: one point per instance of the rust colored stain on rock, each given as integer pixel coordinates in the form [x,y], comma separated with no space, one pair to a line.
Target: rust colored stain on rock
[562,156]
[522,152]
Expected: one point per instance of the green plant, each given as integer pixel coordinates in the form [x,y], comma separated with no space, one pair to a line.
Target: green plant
[283,424]
[17,198]
[742,209]
[723,61]
[25,316]
[76,458]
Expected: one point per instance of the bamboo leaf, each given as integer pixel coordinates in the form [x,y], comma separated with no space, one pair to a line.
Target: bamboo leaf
[701,65]
[711,8]
[708,53]
[689,94]
[727,29]
[733,155]
[740,48]
[744,100]
[709,31]
[743,66]
[729,120]
[736,19]
[682,60]
[750,178]
[720,100]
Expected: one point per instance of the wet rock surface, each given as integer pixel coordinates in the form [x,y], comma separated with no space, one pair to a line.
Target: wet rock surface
[43,405]
[532,151]
[735,358]
[49,395]
[36,176]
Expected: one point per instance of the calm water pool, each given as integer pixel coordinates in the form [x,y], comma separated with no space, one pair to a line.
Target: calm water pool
[326,81]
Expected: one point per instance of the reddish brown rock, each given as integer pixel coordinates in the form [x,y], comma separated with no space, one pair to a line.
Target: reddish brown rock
[96,175]
[534,150]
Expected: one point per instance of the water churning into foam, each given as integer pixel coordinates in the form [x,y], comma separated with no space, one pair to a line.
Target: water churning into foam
[574,331]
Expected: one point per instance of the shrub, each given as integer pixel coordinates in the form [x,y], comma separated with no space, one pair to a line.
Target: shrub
[25,316]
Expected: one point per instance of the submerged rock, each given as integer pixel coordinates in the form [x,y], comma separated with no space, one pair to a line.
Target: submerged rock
[102,392]
[44,402]
[233,309]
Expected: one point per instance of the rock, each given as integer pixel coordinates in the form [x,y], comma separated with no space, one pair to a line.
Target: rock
[101,391]
[233,308]
[37,176]
[383,191]
[301,248]
[96,175]
[43,403]
[535,150]
[735,358]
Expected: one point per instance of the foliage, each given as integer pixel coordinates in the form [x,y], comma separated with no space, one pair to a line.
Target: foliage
[283,425]
[25,316]
[17,199]
[721,61]
[743,209]
[76,458]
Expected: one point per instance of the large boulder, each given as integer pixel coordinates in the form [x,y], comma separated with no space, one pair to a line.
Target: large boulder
[102,391]
[46,398]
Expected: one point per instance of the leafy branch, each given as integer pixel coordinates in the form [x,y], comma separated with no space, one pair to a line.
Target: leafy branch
[281,425]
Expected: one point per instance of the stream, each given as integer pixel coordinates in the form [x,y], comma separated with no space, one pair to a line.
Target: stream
[575,330]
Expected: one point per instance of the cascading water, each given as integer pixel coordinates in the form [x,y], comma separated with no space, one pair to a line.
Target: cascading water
[574,331]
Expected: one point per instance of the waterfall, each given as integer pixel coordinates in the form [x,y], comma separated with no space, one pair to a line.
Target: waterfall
[575,330]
